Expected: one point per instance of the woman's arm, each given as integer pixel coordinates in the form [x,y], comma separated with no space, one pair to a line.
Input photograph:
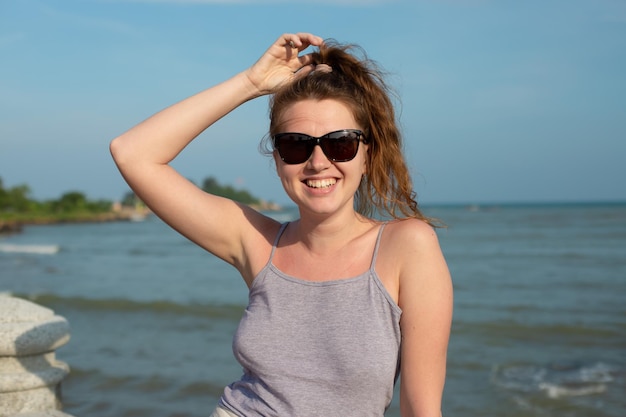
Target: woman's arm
[426,300]
[143,153]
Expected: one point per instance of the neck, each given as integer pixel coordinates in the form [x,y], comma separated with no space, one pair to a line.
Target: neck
[323,234]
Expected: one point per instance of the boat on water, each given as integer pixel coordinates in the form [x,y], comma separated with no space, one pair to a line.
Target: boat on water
[35,249]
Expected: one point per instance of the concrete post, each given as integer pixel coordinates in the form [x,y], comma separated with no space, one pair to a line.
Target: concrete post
[30,375]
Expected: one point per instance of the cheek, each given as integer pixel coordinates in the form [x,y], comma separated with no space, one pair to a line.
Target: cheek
[283,170]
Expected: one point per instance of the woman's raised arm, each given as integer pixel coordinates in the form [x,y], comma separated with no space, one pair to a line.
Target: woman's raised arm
[144,152]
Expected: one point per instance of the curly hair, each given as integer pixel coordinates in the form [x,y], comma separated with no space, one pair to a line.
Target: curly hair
[359,83]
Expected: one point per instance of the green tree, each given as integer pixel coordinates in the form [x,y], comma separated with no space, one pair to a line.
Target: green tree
[16,205]
[4,198]
[99,206]
[72,201]
[130,199]
[18,199]
[212,186]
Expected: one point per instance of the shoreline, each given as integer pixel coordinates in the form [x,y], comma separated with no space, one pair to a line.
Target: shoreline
[124,214]
[8,227]
[12,226]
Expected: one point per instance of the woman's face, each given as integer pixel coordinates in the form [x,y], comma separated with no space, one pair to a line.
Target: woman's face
[319,185]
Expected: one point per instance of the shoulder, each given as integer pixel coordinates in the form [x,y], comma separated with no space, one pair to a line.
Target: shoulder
[409,248]
[420,264]
[410,235]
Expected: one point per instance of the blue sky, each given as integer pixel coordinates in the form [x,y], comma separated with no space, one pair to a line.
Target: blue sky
[501,101]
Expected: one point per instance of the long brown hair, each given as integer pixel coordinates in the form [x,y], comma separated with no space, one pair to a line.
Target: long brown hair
[358,82]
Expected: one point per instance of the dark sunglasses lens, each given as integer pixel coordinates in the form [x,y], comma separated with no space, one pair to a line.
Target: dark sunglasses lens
[341,147]
[294,148]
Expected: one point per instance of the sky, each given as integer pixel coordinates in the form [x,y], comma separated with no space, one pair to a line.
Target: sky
[499,101]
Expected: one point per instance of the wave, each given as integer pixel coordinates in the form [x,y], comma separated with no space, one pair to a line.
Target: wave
[559,379]
[56,302]
[33,249]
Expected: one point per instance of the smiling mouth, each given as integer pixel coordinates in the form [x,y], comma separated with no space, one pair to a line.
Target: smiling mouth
[321,183]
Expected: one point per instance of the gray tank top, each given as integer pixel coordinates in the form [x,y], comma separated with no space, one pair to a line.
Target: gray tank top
[313,349]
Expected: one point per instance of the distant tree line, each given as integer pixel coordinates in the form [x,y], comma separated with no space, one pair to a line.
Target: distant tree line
[212,186]
[17,200]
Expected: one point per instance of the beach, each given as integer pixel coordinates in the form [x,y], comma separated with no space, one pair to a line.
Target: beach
[539,324]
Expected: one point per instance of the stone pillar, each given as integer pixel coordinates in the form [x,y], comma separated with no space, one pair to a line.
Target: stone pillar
[30,375]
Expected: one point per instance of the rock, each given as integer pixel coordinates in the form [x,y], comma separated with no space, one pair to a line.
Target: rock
[30,375]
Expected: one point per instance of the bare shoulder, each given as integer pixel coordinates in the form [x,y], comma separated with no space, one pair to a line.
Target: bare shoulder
[411,235]
[408,248]
[420,264]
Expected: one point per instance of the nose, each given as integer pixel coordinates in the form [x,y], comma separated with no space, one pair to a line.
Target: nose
[318,160]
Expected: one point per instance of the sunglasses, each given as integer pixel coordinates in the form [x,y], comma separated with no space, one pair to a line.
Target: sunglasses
[338,146]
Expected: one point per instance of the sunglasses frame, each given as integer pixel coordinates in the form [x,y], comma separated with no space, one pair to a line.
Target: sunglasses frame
[321,140]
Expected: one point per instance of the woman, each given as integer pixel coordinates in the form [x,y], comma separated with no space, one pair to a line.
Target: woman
[339,302]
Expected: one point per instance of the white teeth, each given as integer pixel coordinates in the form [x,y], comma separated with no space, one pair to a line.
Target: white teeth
[321,183]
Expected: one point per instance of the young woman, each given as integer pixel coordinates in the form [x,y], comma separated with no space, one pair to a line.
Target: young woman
[340,304]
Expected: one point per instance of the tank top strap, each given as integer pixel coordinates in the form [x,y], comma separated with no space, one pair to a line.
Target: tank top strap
[375,254]
[278,235]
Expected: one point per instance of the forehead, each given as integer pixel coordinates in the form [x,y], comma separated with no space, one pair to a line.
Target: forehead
[317,117]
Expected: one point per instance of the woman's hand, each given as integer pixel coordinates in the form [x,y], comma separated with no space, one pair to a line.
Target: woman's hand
[281,63]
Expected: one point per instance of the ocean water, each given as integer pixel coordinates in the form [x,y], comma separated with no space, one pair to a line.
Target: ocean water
[539,324]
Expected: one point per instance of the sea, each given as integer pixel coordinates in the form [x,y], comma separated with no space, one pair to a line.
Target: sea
[539,326]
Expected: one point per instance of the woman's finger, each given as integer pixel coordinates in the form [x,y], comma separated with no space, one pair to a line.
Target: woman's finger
[300,41]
